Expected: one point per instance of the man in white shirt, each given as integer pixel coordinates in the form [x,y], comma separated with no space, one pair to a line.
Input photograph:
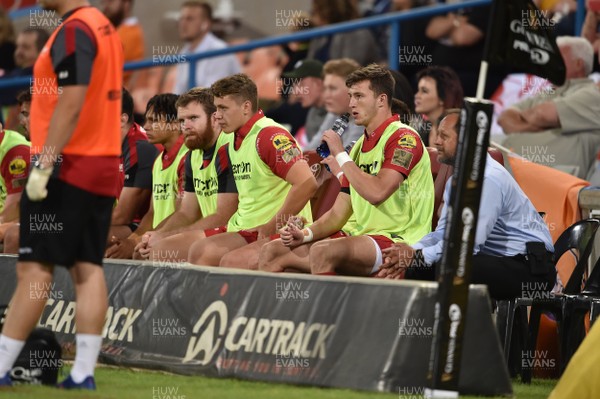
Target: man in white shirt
[194,29]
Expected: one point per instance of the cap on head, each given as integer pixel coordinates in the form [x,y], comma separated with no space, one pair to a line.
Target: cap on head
[306,68]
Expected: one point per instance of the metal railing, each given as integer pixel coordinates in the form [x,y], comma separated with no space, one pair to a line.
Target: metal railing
[394,19]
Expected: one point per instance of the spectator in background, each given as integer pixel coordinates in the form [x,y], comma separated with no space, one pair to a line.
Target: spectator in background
[7,43]
[403,92]
[337,101]
[195,30]
[460,42]
[119,12]
[307,88]
[264,65]
[561,128]
[563,15]
[297,51]
[438,89]
[590,27]
[29,45]
[360,45]
[412,36]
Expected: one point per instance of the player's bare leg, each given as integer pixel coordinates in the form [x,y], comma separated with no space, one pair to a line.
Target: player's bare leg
[209,251]
[91,305]
[33,285]
[175,248]
[353,256]
[276,257]
[245,257]
[11,240]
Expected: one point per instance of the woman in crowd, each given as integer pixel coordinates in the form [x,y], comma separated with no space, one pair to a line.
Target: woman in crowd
[438,89]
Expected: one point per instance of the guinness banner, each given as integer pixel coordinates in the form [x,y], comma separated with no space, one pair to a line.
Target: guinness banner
[357,333]
[522,36]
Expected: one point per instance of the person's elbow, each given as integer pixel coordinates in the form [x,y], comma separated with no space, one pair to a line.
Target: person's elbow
[377,198]
[544,119]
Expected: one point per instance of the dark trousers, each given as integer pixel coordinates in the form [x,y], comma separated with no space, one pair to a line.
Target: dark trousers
[506,277]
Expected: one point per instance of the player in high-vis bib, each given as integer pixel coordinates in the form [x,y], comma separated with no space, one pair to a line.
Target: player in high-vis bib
[387,191]
[210,196]
[162,127]
[14,169]
[272,178]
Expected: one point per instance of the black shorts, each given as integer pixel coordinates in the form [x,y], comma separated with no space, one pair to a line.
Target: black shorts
[69,225]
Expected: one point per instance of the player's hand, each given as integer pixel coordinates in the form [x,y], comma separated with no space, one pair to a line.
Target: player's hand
[298,221]
[143,248]
[120,249]
[334,167]
[37,183]
[396,259]
[334,141]
[291,235]
[153,237]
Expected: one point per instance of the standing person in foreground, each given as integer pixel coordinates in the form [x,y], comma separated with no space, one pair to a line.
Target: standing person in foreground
[76,145]
[272,178]
[387,187]
[513,248]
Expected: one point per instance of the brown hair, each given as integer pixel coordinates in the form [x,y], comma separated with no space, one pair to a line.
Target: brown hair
[206,8]
[341,67]
[380,80]
[200,95]
[399,107]
[24,96]
[7,31]
[447,83]
[334,11]
[239,86]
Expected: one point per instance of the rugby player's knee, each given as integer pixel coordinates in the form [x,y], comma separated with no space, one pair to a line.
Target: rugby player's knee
[322,257]
[267,258]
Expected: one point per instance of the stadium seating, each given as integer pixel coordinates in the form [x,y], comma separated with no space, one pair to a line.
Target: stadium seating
[580,238]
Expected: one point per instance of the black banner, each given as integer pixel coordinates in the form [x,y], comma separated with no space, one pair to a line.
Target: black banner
[451,308]
[357,333]
[522,36]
